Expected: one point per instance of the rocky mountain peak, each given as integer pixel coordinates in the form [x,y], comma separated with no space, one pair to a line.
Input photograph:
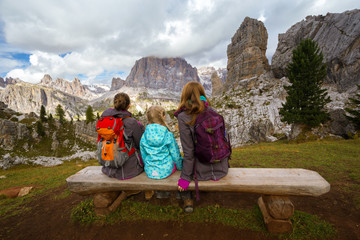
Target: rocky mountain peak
[161,73]
[338,36]
[246,52]
[46,80]
[8,81]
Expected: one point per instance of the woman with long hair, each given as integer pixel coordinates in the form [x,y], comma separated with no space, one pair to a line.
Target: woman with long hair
[192,103]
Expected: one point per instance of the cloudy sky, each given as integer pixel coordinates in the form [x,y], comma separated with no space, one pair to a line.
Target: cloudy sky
[96,40]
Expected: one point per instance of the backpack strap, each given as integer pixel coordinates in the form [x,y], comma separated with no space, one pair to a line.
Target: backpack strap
[131,149]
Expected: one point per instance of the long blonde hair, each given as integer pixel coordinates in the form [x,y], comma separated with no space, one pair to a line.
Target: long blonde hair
[190,100]
[156,114]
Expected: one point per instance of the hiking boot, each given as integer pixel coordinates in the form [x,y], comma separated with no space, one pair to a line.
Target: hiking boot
[149,194]
[130,193]
[188,206]
[162,194]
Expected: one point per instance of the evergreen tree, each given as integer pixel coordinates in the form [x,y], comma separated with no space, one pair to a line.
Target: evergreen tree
[354,110]
[42,114]
[97,116]
[306,100]
[40,129]
[90,117]
[50,117]
[60,113]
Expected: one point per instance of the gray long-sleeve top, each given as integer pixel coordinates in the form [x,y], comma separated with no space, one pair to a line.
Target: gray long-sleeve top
[204,171]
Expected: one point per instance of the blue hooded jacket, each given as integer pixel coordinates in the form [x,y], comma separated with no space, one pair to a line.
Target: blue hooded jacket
[159,151]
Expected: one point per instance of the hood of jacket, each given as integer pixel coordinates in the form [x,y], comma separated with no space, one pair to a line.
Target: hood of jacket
[155,135]
[112,112]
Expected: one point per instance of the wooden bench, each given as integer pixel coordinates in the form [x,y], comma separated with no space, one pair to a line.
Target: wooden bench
[274,185]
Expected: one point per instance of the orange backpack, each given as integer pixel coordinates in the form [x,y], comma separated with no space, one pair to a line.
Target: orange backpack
[112,150]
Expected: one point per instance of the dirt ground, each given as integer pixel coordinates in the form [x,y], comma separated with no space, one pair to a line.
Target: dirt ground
[50,219]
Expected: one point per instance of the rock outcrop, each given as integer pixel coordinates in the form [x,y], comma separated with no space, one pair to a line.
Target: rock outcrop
[11,132]
[117,83]
[85,131]
[251,109]
[246,52]
[161,73]
[338,36]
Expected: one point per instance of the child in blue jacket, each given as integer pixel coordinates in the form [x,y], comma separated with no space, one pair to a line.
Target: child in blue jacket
[159,150]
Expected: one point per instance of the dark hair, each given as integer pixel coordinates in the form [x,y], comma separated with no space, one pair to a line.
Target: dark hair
[121,101]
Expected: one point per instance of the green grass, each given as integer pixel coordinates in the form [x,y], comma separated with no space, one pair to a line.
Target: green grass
[43,178]
[338,161]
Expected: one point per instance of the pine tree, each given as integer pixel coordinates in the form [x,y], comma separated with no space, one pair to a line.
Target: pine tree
[60,113]
[40,129]
[306,100]
[354,111]
[90,117]
[42,114]
[50,117]
[97,116]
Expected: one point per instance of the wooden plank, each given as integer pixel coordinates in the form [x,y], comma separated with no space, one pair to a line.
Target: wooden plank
[272,181]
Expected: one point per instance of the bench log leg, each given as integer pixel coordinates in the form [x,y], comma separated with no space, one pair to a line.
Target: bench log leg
[103,202]
[108,202]
[276,211]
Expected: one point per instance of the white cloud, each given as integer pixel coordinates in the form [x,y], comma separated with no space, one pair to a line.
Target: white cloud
[8,64]
[110,35]
[262,18]
[201,5]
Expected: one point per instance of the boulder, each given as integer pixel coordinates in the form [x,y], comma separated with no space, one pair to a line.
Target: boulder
[339,124]
[259,131]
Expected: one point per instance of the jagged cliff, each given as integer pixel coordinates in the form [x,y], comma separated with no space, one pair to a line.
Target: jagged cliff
[26,97]
[73,88]
[161,73]
[338,36]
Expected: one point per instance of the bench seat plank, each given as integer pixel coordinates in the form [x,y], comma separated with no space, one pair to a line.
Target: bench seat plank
[272,181]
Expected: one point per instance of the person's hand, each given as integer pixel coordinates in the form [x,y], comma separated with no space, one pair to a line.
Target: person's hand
[181,189]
